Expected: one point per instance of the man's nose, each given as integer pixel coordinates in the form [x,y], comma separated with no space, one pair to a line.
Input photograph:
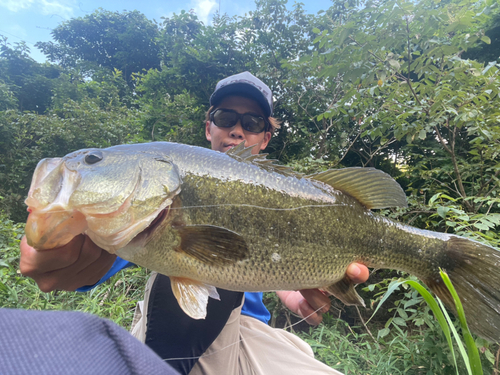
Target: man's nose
[236,131]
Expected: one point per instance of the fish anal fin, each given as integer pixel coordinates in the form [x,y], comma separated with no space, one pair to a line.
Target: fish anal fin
[212,245]
[193,296]
[344,291]
[373,188]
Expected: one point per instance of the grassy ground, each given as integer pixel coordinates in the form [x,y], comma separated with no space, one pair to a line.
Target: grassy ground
[403,339]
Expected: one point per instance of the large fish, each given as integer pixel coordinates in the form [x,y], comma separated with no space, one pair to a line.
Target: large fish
[236,221]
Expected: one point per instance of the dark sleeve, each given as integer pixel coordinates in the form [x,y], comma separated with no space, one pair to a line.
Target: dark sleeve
[63,342]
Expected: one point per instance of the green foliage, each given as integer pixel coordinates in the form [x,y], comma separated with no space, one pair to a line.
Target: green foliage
[352,350]
[7,98]
[410,342]
[114,40]
[439,311]
[173,119]
[404,82]
[479,226]
[25,82]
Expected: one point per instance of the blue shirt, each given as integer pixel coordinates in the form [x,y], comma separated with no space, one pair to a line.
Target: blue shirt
[253,305]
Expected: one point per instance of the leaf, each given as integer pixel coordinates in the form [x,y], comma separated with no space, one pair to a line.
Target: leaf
[472,350]
[392,287]
[411,302]
[419,322]
[383,332]
[486,39]
[481,226]
[441,211]
[394,64]
[422,134]
[458,340]
[399,321]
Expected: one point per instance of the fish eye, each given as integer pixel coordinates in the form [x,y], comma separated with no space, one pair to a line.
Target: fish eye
[93,157]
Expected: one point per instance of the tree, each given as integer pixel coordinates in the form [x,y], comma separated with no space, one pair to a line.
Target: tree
[405,83]
[30,82]
[113,40]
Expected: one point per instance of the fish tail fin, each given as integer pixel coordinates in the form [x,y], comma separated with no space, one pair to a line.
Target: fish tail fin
[474,270]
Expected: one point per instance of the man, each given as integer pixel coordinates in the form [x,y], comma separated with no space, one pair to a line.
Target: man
[234,338]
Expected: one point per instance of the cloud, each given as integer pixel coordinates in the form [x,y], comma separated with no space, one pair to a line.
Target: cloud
[203,9]
[63,8]
[16,5]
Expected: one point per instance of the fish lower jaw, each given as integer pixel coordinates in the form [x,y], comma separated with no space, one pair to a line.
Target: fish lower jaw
[49,230]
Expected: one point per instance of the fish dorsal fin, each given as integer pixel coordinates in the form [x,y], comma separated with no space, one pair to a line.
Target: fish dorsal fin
[371,187]
[193,296]
[244,154]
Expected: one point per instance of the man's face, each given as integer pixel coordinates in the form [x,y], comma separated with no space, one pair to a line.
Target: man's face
[223,139]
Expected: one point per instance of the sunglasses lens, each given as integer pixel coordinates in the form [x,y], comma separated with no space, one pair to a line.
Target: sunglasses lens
[252,123]
[228,118]
[225,119]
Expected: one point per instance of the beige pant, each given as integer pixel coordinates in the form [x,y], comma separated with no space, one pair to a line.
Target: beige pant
[246,346]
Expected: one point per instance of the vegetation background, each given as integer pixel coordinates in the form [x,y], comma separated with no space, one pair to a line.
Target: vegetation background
[409,87]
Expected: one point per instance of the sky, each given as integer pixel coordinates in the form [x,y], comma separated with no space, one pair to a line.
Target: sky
[32,20]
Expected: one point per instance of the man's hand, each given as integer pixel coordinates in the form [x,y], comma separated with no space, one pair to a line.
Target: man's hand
[305,302]
[69,267]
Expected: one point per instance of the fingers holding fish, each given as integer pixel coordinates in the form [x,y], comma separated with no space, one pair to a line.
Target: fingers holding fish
[76,264]
[358,273]
[309,304]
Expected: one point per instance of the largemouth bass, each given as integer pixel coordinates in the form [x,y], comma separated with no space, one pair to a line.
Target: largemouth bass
[237,221]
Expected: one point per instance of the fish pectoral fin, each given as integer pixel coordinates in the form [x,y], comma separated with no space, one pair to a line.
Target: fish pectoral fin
[193,296]
[212,245]
[371,187]
[344,291]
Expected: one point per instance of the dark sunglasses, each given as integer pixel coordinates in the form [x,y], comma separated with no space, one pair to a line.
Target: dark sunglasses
[227,118]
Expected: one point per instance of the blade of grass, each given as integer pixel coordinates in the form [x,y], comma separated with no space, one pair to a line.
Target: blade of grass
[431,301]
[461,347]
[438,313]
[474,359]
[392,287]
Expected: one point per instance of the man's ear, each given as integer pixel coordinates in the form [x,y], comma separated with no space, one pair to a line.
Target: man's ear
[207,131]
[265,142]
